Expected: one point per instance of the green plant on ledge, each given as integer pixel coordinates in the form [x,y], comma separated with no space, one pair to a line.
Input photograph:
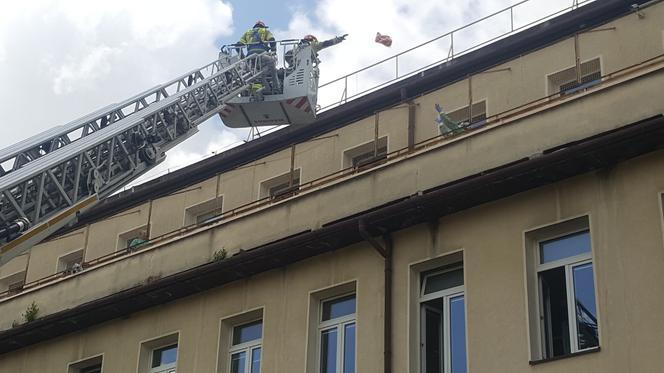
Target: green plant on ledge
[219,255]
[31,312]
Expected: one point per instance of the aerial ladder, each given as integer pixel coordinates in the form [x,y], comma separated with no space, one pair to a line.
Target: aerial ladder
[48,179]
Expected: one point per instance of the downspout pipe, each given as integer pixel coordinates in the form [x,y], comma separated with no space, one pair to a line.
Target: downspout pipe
[385,250]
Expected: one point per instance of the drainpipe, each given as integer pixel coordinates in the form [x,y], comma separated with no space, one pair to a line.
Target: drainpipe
[385,250]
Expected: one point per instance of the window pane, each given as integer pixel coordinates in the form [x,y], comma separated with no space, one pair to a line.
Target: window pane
[442,281]
[238,362]
[328,351]
[163,356]
[565,247]
[349,348]
[92,369]
[433,338]
[554,304]
[248,332]
[458,335]
[339,307]
[586,311]
[256,360]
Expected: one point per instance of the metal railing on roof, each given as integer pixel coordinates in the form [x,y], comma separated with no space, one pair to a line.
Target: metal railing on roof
[339,87]
[455,43]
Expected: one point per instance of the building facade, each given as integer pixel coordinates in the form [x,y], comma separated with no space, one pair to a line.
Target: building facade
[502,212]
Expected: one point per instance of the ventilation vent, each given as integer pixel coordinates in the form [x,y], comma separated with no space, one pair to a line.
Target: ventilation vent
[566,81]
[297,78]
[462,116]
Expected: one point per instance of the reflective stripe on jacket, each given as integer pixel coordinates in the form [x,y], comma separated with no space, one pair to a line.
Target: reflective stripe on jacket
[256,39]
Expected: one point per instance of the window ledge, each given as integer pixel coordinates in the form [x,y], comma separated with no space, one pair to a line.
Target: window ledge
[584,352]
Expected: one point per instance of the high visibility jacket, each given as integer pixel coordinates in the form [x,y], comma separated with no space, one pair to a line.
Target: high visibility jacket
[317,46]
[257,40]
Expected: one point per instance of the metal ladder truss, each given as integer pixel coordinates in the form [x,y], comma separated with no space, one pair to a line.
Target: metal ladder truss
[44,193]
[18,155]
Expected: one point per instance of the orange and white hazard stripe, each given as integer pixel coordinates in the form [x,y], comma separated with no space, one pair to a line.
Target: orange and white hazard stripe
[301,103]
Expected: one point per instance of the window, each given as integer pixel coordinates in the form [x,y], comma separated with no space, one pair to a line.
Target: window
[567,299]
[280,186]
[566,317]
[164,359]
[89,365]
[71,262]
[566,82]
[336,335]
[462,116]
[204,212]
[133,239]
[240,343]
[459,120]
[443,321]
[159,355]
[364,154]
[245,351]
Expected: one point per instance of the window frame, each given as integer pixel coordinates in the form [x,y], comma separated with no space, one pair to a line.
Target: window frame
[86,364]
[569,264]
[165,368]
[580,86]
[266,185]
[365,150]
[446,295]
[204,211]
[247,347]
[339,324]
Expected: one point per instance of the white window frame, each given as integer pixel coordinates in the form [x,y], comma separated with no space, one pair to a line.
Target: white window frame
[247,347]
[339,324]
[569,264]
[264,186]
[165,368]
[365,149]
[447,295]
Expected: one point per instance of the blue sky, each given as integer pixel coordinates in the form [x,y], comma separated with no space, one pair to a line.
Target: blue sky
[276,14]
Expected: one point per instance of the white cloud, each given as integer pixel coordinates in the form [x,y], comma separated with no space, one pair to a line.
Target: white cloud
[61,59]
[97,63]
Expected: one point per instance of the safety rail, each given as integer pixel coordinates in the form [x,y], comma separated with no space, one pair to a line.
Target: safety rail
[337,92]
[507,116]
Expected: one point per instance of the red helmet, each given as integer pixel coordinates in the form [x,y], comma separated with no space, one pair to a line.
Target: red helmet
[259,23]
[310,38]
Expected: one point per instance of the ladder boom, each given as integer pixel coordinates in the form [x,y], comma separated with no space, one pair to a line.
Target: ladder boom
[18,155]
[53,185]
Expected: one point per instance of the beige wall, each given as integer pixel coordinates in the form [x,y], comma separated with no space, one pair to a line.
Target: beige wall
[623,205]
[43,259]
[619,44]
[585,116]
[169,211]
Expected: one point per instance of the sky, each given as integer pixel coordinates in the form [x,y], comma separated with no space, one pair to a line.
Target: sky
[62,59]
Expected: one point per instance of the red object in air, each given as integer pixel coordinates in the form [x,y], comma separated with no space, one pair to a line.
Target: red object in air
[383,39]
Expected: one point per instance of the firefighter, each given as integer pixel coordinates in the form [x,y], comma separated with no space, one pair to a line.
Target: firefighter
[317,46]
[259,39]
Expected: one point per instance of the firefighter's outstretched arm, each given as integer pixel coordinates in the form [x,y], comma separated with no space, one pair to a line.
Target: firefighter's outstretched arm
[334,41]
